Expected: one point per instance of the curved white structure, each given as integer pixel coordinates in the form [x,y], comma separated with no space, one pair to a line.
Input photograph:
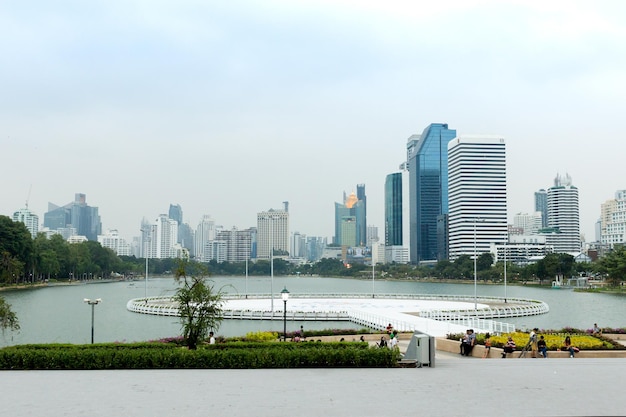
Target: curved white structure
[433,314]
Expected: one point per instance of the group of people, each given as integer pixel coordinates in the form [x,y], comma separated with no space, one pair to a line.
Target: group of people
[393,338]
[467,342]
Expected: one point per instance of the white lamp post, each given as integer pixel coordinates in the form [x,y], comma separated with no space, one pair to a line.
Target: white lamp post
[285,296]
[476,220]
[92,303]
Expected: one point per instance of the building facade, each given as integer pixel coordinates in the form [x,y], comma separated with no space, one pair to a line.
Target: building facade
[477,194]
[272,233]
[78,215]
[563,216]
[353,212]
[427,160]
[115,242]
[30,220]
[541,206]
[238,244]
[613,220]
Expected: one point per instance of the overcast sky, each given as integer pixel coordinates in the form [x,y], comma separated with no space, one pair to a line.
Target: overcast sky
[230,108]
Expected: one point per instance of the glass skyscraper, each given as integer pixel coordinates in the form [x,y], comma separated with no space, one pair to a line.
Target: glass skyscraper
[393,209]
[427,157]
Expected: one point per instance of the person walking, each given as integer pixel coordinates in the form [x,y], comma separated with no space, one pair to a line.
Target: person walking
[487,346]
[533,342]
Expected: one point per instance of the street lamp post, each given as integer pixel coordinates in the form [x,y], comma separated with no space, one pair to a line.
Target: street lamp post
[285,295]
[505,249]
[92,303]
[476,220]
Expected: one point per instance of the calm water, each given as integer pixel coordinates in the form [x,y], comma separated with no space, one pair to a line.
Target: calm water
[59,315]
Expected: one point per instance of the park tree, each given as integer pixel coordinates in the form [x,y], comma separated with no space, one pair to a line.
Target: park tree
[613,265]
[8,319]
[199,304]
[16,249]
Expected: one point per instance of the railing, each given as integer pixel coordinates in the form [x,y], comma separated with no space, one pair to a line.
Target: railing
[472,318]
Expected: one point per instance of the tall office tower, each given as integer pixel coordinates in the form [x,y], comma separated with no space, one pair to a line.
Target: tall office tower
[314,248]
[529,224]
[176,213]
[361,218]
[393,209]
[237,244]
[77,215]
[427,159]
[541,206]
[166,236]
[272,233]
[613,220]
[148,239]
[298,245]
[185,233]
[372,235]
[205,232]
[477,194]
[351,211]
[563,214]
[30,220]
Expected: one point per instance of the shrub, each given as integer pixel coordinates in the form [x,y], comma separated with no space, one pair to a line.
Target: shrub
[234,355]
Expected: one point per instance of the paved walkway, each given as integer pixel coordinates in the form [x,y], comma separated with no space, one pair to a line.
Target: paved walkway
[545,387]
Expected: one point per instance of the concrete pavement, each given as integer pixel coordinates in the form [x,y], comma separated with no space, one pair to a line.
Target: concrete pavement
[456,386]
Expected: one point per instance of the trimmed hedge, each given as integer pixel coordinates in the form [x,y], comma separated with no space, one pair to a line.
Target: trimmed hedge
[238,355]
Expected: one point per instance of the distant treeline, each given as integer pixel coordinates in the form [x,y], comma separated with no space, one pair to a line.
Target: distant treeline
[28,260]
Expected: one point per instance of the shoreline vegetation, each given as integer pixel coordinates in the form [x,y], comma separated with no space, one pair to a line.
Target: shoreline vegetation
[67,281]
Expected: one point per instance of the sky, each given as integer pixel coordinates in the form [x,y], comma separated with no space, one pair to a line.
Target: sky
[231,108]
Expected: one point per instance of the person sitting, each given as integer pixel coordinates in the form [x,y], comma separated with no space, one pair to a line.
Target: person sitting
[464,341]
[383,342]
[509,347]
[596,330]
[567,345]
[541,346]
[471,341]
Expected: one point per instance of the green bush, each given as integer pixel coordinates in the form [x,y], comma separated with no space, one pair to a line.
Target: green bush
[235,355]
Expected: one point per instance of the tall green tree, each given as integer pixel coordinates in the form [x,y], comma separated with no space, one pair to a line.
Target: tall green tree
[613,265]
[8,319]
[199,304]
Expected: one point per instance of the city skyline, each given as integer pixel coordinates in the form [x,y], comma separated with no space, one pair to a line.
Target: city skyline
[229,110]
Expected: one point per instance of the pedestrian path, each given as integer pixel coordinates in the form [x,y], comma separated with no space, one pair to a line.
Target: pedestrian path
[582,387]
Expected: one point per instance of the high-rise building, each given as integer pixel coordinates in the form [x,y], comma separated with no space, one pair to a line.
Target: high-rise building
[166,237]
[272,233]
[427,159]
[477,194]
[237,244]
[176,213]
[205,232]
[541,206]
[185,233]
[77,215]
[393,209]
[563,216]
[613,220]
[350,215]
[30,220]
[361,216]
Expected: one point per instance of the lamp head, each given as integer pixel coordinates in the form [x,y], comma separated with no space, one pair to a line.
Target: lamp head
[284,294]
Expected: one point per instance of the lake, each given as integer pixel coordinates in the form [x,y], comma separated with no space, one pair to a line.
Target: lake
[57,314]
